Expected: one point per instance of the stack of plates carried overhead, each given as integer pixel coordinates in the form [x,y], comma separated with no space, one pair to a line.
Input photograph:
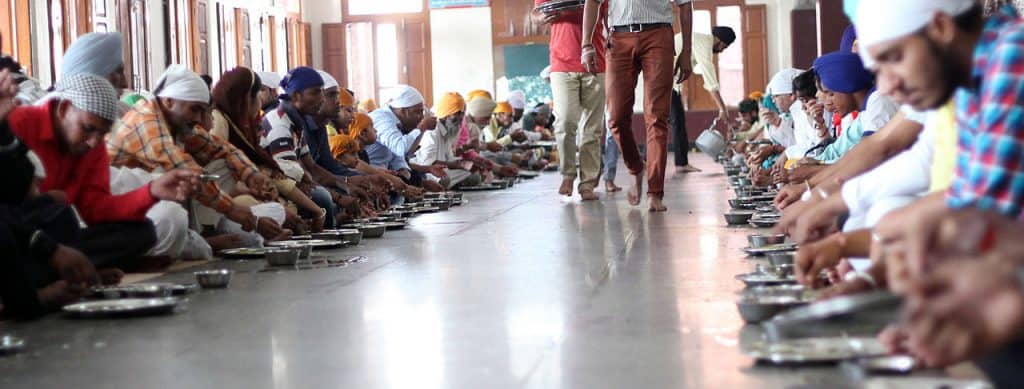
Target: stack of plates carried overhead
[560,5]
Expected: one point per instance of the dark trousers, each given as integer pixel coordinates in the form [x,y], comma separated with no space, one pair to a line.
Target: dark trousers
[1005,368]
[677,119]
[116,244]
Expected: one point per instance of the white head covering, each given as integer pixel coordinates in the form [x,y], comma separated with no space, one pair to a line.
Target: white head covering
[404,96]
[96,53]
[89,93]
[546,73]
[517,99]
[782,82]
[884,20]
[179,83]
[270,79]
[329,81]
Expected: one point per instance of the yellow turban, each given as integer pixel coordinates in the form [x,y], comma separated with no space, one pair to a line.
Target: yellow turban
[449,104]
[472,95]
[342,144]
[504,107]
[360,122]
[345,99]
[368,105]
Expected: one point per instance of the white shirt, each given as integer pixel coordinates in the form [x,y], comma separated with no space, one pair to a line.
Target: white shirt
[702,59]
[877,113]
[783,133]
[806,137]
[389,134]
[437,146]
[626,12]
[906,174]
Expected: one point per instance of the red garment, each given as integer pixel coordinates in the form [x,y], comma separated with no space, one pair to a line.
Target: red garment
[566,35]
[85,179]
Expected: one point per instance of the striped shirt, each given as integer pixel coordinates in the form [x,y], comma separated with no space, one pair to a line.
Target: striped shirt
[626,12]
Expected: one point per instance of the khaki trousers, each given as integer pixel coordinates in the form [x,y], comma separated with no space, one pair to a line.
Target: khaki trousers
[579,102]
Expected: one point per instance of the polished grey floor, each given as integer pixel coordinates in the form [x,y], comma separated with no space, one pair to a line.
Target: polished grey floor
[519,288]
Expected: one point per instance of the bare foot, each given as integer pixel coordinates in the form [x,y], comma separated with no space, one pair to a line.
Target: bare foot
[566,188]
[687,170]
[224,242]
[588,195]
[634,193]
[610,187]
[656,204]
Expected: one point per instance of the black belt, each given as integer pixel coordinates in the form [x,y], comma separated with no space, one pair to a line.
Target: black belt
[640,27]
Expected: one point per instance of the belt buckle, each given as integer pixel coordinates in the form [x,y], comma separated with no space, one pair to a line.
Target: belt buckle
[636,28]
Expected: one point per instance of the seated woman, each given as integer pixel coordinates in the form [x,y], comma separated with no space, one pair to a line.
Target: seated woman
[236,116]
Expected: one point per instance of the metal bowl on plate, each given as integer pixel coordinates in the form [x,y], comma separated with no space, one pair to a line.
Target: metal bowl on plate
[761,240]
[432,195]
[860,314]
[443,205]
[348,236]
[745,181]
[10,344]
[370,230]
[778,271]
[738,217]
[758,309]
[214,279]
[779,259]
[305,250]
[284,256]
[738,204]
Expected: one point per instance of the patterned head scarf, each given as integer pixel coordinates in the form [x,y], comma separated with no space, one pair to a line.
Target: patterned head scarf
[90,93]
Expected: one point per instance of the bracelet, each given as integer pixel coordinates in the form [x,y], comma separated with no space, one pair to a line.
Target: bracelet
[587,46]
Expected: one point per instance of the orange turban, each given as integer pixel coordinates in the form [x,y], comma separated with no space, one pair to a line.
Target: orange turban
[368,105]
[472,95]
[449,104]
[360,122]
[345,99]
[756,96]
[504,107]
[342,144]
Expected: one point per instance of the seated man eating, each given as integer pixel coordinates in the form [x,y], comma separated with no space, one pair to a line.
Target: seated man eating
[437,145]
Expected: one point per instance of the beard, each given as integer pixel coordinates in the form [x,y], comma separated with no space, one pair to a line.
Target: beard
[951,75]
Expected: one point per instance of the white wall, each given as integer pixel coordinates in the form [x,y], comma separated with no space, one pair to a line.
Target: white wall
[461,50]
[316,13]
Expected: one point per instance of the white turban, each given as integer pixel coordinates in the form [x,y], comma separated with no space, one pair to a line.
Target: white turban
[179,83]
[329,81]
[885,20]
[404,96]
[270,79]
[782,82]
[517,99]
[97,53]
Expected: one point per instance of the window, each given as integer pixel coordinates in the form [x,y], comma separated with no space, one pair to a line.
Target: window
[383,7]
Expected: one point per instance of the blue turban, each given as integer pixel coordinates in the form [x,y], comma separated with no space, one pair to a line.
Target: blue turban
[96,53]
[843,72]
[301,78]
[849,36]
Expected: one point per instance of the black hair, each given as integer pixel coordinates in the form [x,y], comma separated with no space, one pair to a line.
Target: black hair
[971,20]
[208,80]
[748,105]
[18,172]
[724,34]
[805,85]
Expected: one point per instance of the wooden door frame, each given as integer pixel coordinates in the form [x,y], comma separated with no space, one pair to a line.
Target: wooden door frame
[398,19]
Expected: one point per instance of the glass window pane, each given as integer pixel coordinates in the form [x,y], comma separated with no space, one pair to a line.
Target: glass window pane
[359,61]
[730,61]
[387,56]
[380,7]
[701,21]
